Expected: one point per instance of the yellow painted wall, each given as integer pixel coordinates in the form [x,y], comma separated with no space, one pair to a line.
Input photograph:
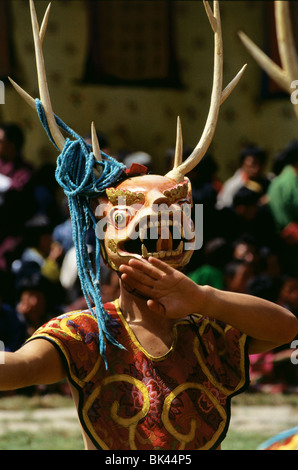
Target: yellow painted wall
[143,118]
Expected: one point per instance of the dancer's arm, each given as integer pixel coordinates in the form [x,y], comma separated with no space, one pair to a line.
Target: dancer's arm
[37,362]
[174,295]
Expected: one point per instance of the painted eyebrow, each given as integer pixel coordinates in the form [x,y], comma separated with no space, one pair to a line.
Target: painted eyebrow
[130,197]
[178,192]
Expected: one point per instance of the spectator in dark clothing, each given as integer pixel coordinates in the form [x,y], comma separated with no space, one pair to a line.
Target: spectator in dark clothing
[247,216]
[37,301]
[15,196]
[252,161]
[12,326]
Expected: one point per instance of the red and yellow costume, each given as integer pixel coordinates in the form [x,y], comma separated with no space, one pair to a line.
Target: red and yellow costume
[179,401]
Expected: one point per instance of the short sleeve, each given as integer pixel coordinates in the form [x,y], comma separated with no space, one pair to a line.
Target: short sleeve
[76,337]
[222,352]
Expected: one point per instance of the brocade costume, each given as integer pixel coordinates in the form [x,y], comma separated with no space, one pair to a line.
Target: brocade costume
[179,401]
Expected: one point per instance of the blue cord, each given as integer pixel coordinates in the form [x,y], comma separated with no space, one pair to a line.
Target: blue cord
[74,173]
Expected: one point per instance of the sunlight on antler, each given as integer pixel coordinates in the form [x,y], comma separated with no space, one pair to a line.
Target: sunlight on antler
[285,75]
[179,145]
[218,96]
[42,80]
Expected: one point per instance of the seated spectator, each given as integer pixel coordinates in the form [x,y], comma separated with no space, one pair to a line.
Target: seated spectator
[273,370]
[36,302]
[271,261]
[41,249]
[264,286]
[205,186]
[246,248]
[237,275]
[247,216]
[283,197]
[45,192]
[62,234]
[288,294]
[12,325]
[283,204]
[15,176]
[252,161]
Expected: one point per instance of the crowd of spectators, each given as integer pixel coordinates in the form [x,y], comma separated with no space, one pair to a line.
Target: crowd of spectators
[250,243]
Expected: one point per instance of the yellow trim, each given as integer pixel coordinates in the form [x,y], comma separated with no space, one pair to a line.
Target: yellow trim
[65,354]
[66,329]
[136,341]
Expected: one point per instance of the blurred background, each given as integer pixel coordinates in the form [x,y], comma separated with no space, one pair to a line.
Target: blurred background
[133,67]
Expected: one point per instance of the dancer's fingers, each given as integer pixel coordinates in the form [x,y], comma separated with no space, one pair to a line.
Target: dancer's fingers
[132,285]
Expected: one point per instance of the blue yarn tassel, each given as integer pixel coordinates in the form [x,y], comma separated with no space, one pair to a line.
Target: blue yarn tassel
[75,175]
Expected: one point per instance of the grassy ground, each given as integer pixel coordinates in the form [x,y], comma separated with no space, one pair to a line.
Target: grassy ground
[59,429]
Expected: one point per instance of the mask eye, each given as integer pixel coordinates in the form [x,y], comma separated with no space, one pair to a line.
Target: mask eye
[121,217]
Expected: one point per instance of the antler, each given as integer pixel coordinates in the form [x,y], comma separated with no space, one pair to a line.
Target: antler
[218,96]
[38,36]
[288,72]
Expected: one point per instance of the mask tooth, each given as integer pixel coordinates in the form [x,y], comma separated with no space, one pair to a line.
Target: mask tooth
[165,240]
[144,251]
[182,232]
[180,248]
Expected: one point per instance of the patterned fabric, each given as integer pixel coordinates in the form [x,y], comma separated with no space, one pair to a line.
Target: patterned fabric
[180,401]
[286,440]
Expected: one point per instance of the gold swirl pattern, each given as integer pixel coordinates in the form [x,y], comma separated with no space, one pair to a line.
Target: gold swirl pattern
[187,438]
[129,423]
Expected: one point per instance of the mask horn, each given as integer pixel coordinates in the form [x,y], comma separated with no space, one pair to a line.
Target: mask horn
[179,145]
[95,144]
[96,151]
[218,96]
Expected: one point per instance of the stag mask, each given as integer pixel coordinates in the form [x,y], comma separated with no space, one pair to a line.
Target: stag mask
[144,216]
[86,174]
